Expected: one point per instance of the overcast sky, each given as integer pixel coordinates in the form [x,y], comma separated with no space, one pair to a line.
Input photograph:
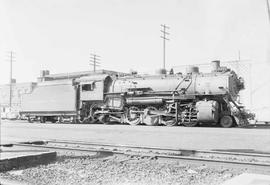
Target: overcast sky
[59,35]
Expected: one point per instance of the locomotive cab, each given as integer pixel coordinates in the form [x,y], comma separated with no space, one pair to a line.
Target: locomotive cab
[91,91]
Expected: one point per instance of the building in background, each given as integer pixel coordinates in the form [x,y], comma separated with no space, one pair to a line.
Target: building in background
[18,90]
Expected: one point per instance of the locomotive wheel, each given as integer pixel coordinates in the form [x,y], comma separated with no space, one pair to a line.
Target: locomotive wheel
[93,118]
[169,122]
[190,124]
[151,120]
[133,118]
[105,119]
[53,121]
[29,120]
[226,121]
[43,119]
[85,121]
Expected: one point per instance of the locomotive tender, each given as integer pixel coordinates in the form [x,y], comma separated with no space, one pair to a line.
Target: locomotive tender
[190,99]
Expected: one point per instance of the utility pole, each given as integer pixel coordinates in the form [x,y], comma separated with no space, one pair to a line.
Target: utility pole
[0,129]
[237,62]
[268,9]
[94,61]
[11,60]
[164,37]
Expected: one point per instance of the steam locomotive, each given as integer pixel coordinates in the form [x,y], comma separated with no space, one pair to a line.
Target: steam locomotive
[166,99]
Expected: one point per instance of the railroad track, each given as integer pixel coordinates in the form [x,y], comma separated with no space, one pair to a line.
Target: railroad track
[218,157]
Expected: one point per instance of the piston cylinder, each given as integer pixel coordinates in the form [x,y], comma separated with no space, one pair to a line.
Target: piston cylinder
[207,111]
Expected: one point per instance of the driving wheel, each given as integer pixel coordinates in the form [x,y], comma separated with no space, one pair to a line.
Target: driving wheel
[151,120]
[190,124]
[226,121]
[133,118]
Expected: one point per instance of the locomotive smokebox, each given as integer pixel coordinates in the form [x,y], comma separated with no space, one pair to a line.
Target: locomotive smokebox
[215,65]
[192,70]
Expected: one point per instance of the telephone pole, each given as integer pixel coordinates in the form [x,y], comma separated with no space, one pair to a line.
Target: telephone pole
[164,38]
[237,62]
[94,61]
[268,10]
[11,60]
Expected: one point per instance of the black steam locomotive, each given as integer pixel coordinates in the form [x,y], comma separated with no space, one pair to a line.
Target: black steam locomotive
[175,99]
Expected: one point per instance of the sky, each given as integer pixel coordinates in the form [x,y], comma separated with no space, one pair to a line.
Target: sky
[59,35]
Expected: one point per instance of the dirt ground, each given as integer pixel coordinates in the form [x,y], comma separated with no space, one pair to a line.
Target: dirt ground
[71,168]
[76,169]
[237,139]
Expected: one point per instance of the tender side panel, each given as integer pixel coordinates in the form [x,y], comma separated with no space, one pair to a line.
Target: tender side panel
[50,98]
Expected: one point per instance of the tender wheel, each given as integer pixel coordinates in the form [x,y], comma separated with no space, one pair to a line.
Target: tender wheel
[60,120]
[51,119]
[43,119]
[29,120]
[151,120]
[133,118]
[226,121]
[190,124]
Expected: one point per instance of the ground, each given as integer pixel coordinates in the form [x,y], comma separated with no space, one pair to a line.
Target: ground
[74,168]
[124,170]
[177,137]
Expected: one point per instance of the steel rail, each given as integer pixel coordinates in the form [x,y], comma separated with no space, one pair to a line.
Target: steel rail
[161,149]
[64,148]
[164,156]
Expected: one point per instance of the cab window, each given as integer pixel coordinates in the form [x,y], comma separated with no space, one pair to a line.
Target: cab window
[88,87]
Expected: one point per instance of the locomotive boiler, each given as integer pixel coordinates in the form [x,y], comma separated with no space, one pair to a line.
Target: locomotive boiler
[190,99]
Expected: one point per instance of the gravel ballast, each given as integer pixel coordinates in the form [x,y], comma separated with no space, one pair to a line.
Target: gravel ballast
[71,168]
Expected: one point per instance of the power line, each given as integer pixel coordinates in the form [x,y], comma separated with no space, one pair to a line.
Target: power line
[164,37]
[94,61]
